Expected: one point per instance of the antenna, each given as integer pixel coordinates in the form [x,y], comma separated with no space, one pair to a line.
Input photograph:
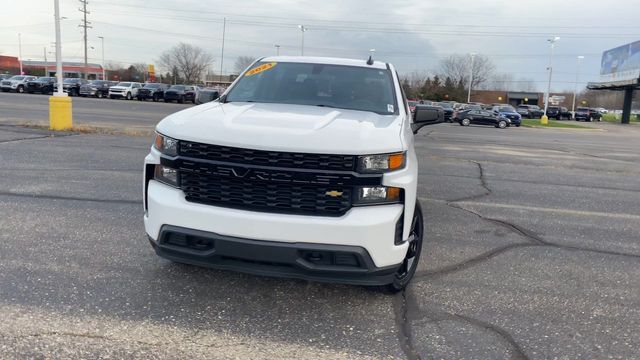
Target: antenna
[370,61]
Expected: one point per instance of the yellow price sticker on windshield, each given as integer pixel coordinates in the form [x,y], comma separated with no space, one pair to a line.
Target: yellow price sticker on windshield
[261,68]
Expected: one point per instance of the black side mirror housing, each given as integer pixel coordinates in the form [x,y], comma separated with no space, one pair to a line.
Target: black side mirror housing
[425,115]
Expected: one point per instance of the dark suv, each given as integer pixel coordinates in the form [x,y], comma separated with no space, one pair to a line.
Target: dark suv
[558,113]
[42,85]
[587,114]
[97,88]
[530,111]
[180,93]
[72,85]
[153,91]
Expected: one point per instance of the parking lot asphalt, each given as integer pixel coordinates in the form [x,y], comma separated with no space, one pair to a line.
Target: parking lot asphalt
[531,252]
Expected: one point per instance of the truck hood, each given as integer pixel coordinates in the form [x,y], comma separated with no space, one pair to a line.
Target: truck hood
[118,88]
[285,127]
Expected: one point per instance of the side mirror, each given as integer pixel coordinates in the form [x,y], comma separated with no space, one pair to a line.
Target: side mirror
[426,115]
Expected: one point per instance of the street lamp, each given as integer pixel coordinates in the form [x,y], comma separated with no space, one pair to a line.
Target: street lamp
[277,49]
[473,55]
[575,86]
[551,41]
[103,70]
[303,30]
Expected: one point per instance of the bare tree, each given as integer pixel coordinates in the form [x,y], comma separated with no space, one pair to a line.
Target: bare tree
[186,61]
[243,62]
[457,67]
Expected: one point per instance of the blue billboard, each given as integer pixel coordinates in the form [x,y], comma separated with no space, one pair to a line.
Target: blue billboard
[621,63]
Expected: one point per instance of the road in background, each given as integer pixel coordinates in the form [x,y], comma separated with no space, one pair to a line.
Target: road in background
[114,113]
[531,251]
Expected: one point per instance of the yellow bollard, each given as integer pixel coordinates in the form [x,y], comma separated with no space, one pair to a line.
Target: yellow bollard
[60,115]
[544,120]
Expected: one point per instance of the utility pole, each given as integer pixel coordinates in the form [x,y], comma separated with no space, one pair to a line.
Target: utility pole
[103,70]
[551,41]
[20,51]
[303,30]
[224,29]
[85,25]
[277,49]
[46,68]
[473,55]
[575,87]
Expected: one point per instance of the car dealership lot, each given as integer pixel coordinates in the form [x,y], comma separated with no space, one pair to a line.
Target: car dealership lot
[531,251]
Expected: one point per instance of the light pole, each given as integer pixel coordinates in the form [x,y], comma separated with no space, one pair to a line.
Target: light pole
[473,55]
[303,30]
[277,49]
[575,87]
[60,112]
[103,70]
[551,41]
[20,52]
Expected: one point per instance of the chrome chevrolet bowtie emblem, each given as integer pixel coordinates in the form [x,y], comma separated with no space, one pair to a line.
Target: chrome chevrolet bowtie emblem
[334,193]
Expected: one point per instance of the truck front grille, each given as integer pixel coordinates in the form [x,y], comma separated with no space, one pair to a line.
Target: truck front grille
[268,158]
[265,181]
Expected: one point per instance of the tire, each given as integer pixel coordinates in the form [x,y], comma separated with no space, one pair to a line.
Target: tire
[559,118]
[590,119]
[193,101]
[410,263]
[29,92]
[465,122]
[181,100]
[20,89]
[501,124]
[139,98]
[99,94]
[167,100]
[155,98]
[5,90]
[517,125]
[112,97]
[128,96]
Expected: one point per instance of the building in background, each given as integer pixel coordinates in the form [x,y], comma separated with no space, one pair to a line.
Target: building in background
[11,65]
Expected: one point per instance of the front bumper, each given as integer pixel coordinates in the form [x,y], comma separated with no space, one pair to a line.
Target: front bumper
[315,262]
[372,228]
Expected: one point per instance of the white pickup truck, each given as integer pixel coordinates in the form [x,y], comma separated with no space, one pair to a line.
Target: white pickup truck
[305,168]
[125,89]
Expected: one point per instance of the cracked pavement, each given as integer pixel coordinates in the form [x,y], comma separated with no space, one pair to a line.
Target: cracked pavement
[532,251]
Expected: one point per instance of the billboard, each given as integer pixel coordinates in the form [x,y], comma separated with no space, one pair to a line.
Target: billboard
[621,63]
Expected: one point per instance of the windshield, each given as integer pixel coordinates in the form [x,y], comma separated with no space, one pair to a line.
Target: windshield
[71,81]
[124,84]
[445,105]
[582,109]
[177,87]
[412,103]
[45,79]
[17,78]
[507,109]
[345,87]
[152,86]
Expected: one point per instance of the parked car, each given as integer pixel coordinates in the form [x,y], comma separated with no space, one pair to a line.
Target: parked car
[125,89]
[602,110]
[587,114]
[483,117]
[5,76]
[412,104]
[72,85]
[448,110]
[42,85]
[17,83]
[509,112]
[180,93]
[558,113]
[530,111]
[287,199]
[96,88]
[207,95]
[152,91]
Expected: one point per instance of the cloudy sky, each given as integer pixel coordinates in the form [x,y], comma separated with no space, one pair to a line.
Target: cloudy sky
[413,34]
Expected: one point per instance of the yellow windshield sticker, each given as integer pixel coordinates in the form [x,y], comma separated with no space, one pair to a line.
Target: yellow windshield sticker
[261,68]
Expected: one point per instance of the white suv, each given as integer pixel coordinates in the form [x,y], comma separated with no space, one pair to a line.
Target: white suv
[16,83]
[125,89]
[304,168]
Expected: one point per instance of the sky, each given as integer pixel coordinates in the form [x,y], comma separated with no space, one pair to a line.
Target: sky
[414,35]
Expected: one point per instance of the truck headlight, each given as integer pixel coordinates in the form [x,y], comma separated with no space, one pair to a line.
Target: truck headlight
[166,175]
[166,145]
[381,163]
[368,195]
